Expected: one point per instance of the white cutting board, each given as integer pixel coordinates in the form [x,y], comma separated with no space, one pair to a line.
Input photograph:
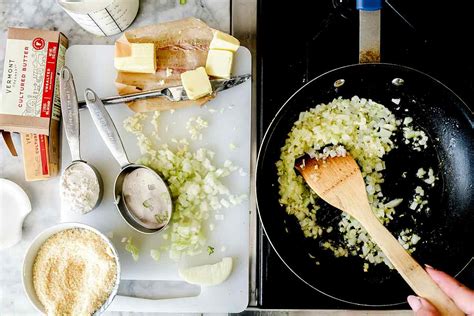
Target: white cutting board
[92,67]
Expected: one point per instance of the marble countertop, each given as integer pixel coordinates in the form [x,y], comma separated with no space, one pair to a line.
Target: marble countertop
[46,14]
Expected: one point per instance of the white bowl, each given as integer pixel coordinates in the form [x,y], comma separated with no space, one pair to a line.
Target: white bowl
[30,256]
[12,197]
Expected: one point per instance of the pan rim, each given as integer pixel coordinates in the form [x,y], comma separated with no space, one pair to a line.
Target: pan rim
[465,109]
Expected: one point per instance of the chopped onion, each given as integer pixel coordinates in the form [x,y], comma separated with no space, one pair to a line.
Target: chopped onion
[393,203]
[195,183]
[132,248]
[155,254]
[364,129]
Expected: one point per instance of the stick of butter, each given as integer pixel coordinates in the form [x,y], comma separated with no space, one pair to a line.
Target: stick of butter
[142,59]
[224,41]
[219,63]
[196,83]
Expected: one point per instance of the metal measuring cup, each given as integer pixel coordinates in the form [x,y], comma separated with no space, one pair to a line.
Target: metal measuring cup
[109,134]
[70,115]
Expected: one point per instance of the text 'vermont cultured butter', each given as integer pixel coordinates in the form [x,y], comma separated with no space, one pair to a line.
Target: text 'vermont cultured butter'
[30,102]
[196,83]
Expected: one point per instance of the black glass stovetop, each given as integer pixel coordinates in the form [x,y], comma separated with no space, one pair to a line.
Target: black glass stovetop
[299,40]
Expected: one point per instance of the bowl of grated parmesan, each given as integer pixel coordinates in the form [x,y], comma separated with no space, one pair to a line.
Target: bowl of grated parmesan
[71,269]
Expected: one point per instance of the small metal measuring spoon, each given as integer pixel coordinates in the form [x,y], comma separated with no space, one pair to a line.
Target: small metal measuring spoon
[70,114]
[109,134]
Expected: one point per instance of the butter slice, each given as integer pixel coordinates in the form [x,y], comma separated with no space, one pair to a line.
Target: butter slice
[219,63]
[142,59]
[224,41]
[196,83]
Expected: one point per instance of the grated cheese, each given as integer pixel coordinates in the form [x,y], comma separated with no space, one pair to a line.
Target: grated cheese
[74,272]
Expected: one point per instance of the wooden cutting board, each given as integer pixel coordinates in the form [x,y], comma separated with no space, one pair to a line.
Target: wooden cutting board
[230,122]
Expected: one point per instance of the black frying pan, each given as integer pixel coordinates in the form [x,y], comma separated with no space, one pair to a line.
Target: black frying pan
[447,230]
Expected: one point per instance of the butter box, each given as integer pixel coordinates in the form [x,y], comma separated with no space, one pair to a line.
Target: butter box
[40,156]
[30,87]
[30,97]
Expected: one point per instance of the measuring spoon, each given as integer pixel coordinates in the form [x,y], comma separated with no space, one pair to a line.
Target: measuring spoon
[69,177]
[141,196]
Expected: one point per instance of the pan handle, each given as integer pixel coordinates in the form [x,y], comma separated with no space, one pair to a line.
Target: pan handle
[418,279]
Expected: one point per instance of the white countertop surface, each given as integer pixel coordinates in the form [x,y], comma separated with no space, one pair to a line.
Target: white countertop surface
[46,14]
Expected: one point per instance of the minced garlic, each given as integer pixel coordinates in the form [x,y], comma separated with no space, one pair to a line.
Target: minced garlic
[74,272]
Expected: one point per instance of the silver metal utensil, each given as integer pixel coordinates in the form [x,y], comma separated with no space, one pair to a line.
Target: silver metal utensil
[70,114]
[125,196]
[172,93]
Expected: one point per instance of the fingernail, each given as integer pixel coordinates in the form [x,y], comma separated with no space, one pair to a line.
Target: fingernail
[428,266]
[414,302]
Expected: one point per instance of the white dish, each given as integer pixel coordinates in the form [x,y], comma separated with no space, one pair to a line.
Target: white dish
[30,256]
[14,206]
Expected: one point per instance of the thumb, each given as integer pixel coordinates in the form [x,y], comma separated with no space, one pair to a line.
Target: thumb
[421,307]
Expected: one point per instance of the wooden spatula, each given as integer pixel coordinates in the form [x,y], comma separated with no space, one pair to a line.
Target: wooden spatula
[339,182]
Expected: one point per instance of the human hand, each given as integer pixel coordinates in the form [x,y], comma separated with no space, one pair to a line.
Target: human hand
[462,296]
